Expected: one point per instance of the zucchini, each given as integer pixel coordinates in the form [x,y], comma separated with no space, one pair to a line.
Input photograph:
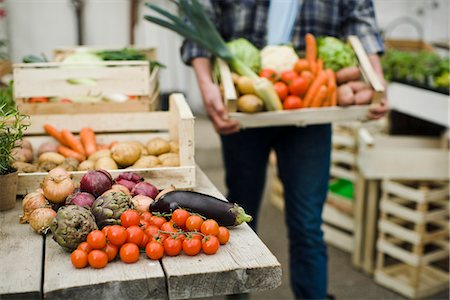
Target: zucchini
[225,213]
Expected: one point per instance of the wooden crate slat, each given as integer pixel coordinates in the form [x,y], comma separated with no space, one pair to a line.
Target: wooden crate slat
[415,194]
[338,238]
[343,140]
[340,172]
[24,276]
[398,253]
[333,216]
[391,207]
[398,231]
[343,157]
[341,203]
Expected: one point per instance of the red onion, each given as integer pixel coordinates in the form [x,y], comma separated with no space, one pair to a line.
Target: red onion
[130,176]
[126,183]
[96,182]
[146,189]
[81,199]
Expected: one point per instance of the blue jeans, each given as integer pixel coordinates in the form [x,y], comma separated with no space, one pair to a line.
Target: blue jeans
[303,161]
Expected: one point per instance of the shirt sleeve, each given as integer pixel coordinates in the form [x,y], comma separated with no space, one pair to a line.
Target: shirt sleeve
[360,20]
[190,50]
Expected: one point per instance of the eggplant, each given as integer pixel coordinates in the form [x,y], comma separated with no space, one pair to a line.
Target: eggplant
[225,213]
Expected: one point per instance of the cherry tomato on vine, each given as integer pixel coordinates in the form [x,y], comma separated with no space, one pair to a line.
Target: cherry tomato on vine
[269,74]
[105,229]
[96,239]
[172,247]
[157,221]
[179,217]
[97,259]
[129,218]
[111,251]
[135,235]
[288,76]
[223,235]
[298,86]
[117,235]
[210,227]
[129,253]
[168,227]
[154,250]
[192,246]
[281,89]
[145,241]
[210,244]
[79,258]
[85,247]
[146,216]
[292,102]
[194,222]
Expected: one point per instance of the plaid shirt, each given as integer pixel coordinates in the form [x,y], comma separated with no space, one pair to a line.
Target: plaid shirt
[248,19]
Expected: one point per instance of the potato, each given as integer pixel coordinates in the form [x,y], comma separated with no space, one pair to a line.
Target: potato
[86,165]
[250,104]
[22,154]
[125,154]
[51,157]
[158,146]
[139,144]
[24,167]
[165,156]
[47,147]
[70,164]
[174,147]
[172,161]
[364,96]
[148,161]
[100,153]
[348,74]
[345,95]
[358,85]
[46,166]
[245,85]
[234,77]
[105,163]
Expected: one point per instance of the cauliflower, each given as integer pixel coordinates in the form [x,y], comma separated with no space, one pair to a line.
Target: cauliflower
[278,58]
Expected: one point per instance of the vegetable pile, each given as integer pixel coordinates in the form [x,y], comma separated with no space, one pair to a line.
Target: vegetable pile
[103,218]
[84,153]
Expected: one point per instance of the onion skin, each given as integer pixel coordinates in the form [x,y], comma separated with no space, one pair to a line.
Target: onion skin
[57,185]
[126,183]
[80,199]
[31,202]
[41,218]
[96,182]
[142,203]
[146,189]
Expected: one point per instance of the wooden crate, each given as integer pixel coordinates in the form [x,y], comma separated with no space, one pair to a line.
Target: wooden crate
[413,236]
[304,116]
[54,80]
[176,124]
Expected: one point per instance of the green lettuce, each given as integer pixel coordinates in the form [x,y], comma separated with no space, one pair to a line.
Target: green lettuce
[246,52]
[335,53]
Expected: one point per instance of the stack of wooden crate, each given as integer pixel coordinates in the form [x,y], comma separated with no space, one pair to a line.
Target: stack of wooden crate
[413,237]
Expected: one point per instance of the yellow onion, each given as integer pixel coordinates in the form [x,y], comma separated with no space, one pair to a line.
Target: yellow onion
[57,185]
[31,202]
[41,218]
[141,203]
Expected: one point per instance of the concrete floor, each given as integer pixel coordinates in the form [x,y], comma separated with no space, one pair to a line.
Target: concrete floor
[345,282]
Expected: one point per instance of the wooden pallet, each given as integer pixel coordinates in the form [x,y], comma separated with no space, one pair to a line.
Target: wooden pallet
[176,124]
[414,232]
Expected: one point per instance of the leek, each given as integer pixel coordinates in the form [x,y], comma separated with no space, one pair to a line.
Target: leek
[202,31]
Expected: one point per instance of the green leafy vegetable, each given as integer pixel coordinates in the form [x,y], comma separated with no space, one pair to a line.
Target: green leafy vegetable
[335,53]
[246,52]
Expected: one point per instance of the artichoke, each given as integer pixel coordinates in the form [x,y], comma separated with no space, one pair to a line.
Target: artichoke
[108,208]
[71,226]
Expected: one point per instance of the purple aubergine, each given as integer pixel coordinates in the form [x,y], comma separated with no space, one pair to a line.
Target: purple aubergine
[225,213]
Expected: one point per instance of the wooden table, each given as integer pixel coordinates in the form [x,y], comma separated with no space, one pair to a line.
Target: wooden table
[33,266]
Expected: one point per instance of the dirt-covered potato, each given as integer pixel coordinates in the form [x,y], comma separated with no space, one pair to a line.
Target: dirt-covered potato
[70,164]
[169,159]
[125,154]
[148,161]
[100,153]
[86,165]
[46,166]
[106,163]
[157,146]
[24,167]
[22,154]
[51,157]
[174,147]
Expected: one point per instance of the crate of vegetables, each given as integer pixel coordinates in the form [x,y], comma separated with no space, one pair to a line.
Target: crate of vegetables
[86,86]
[158,146]
[334,82]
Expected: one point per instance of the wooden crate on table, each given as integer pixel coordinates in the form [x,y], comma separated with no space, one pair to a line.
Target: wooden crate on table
[413,237]
[82,88]
[177,124]
[304,116]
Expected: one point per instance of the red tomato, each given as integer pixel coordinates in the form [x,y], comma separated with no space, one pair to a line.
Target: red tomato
[96,239]
[210,227]
[129,253]
[79,258]
[146,216]
[168,227]
[157,221]
[111,251]
[194,222]
[288,76]
[224,235]
[298,86]
[154,250]
[210,244]
[135,235]
[301,65]
[282,89]
[292,102]
[269,74]
[97,259]
[117,235]
[85,247]
[172,247]
[105,229]
[192,246]
[145,241]
[179,217]
[152,231]
[129,218]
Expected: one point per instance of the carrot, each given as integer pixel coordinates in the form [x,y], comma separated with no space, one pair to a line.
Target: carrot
[319,65]
[320,96]
[334,98]
[320,80]
[72,142]
[67,152]
[311,47]
[102,147]
[331,86]
[53,132]
[87,137]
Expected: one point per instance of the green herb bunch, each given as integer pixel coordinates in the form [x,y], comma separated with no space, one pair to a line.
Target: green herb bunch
[12,127]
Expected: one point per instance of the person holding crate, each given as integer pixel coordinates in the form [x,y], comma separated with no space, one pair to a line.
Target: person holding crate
[303,153]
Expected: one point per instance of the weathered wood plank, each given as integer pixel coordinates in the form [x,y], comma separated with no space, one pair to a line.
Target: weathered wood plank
[21,253]
[141,280]
[244,264]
